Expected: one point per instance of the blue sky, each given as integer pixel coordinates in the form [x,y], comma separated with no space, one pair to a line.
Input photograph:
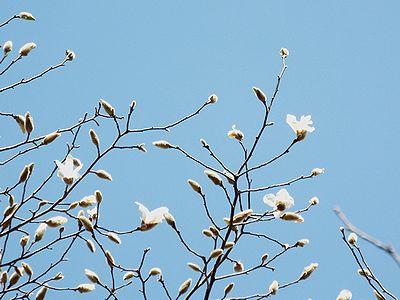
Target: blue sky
[169,56]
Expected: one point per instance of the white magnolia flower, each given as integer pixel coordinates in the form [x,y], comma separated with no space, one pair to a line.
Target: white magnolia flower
[281,201]
[150,219]
[92,213]
[344,295]
[300,127]
[68,171]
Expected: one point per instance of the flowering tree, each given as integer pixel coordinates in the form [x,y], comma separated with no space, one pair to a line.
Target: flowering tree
[28,216]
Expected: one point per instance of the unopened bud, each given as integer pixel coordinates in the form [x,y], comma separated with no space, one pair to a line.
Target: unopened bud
[94,137]
[212,99]
[213,177]
[207,233]
[302,242]
[194,185]
[27,268]
[25,49]
[317,171]
[170,219]
[103,175]
[24,174]
[291,216]
[284,52]
[85,288]
[91,246]
[128,275]
[235,134]
[228,288]
[86,223]
[163,145]
[70,55]
[238,266]
[50,138]
[26,16]
[352,239]
[154,271]
[92,276]
[110,259]
[56,221]
[7,47]
[21,122]
[41,293]
[40,231]
[29,126]
[229,245]
[364,272]
[273,288]
[24,241]
[308,271]
[99,196]
[216,253]
[110,110]
[194,267]
[314,201]
[114,237]
[185,286]
[260,94]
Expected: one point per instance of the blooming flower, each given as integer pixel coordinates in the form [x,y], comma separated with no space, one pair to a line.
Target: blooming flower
[279,202]
[149,219]
[300,127]
[344,295]
[68,171]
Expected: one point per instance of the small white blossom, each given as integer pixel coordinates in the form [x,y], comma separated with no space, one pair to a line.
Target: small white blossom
[344,295]
[149,219]
[317,171]
[300,127]
[68,171]
[281,201]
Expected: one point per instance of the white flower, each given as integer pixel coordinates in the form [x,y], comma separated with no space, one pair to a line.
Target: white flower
[92,213]
[300,127]
[150,219]
[317,171]
[281,201]
[68,171]
[344,295]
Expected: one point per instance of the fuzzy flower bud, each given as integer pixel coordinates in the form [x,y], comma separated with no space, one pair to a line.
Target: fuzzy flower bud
[14,279]
[56,221]
[85,288]
[170,219]
[24,174]
[114,237]
[317,171]
[291,216]
[284,52]
[314,201]
[235,133]
[213,177]
[29,126]
[4,277]
[40,231]
[194,267]
[70,55]
[21,122]
[24,241]
[50,138]
[212,99]
[308,271]
[103,175]
[110,110]
[92,276]
[7,47]
[229,245]
[25,49]
[110,259]
[27,268]
[163,145]
[215,253]
[364,272]
[260,94]
[41,293]
[185,286]
[154,271]
[207,233]
[238,266]
[352,239]
[228,288]
[302,242]
[128,275]
[91,246]
[26,16]
[86,223]
[194,185]
[94,137]
[273,288]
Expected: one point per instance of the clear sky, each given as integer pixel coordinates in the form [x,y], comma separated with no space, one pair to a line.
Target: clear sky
[343,69]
